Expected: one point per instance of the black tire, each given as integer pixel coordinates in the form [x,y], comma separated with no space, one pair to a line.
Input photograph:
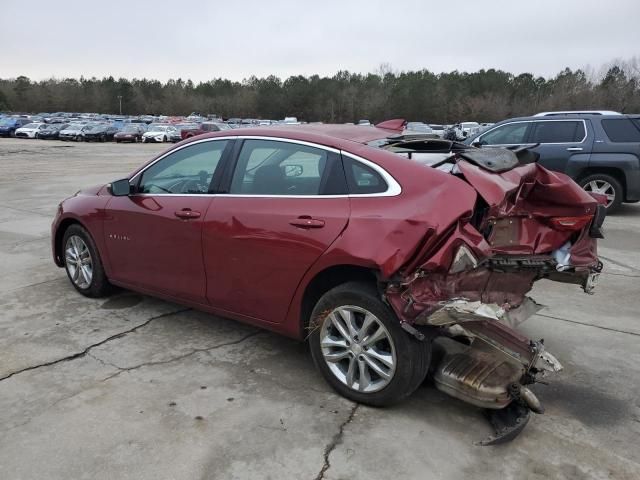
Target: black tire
[99,286]
[615,185]
[412,356]
[164,139]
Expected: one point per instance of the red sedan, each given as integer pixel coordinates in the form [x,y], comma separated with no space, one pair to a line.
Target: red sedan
[368,244]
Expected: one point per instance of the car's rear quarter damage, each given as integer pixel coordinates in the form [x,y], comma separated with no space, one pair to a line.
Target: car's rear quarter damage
[464,272]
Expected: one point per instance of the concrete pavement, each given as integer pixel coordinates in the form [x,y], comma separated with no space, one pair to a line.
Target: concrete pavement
[134,387]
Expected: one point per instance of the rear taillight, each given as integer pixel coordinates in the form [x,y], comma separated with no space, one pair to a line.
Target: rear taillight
[570,224]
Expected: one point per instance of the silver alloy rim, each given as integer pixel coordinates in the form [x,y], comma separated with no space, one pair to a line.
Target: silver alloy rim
[78,262]
[603,187]
[358,349]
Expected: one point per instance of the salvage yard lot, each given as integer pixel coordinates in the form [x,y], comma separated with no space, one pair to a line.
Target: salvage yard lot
[133,387]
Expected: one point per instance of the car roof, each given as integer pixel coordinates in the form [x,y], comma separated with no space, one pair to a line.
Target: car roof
[325,134]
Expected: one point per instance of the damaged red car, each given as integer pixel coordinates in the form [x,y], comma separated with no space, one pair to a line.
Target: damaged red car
[392,255]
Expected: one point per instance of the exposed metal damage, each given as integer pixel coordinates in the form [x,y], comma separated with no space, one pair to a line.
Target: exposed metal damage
[469,290]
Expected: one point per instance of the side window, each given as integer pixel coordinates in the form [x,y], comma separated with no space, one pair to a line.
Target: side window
[270,167]
[558,132]
[622,130]
[512,133]
[186,171]
[363,179]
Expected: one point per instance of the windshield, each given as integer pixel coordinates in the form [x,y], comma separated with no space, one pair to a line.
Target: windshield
[31,125]
[7,121]
[158,128]
[130,128]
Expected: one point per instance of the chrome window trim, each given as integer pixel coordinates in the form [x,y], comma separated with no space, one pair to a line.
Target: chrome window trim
[538,120]
[393,187]
[173,150]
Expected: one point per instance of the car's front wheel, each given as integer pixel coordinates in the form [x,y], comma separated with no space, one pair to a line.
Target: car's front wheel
[359,347]
[82,263]
[605,185]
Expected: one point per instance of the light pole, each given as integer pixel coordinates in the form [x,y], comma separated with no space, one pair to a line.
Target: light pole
[120,100]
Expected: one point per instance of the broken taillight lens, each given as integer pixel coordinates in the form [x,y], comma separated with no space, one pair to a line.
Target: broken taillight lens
[570,224]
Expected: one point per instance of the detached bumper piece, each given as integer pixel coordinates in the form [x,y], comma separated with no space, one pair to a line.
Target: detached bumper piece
[508,423]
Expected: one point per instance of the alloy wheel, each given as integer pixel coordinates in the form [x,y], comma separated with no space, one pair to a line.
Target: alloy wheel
[603,187]
[78,262]
[358,349]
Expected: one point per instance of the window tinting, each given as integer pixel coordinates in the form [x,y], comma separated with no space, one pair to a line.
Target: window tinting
[270,167]
[513,133]
[622,130]
[557,132]
[188,170]
[362,179]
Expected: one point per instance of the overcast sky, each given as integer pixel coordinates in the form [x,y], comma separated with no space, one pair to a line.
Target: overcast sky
[236,39]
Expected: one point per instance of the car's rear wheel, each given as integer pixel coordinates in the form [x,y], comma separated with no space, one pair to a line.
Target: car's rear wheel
[605,185]
[82,263]
[359,347]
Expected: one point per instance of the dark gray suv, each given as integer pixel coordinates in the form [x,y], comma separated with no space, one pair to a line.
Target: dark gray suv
[600,151]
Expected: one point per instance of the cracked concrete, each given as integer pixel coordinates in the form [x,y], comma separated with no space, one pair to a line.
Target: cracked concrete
[134,387]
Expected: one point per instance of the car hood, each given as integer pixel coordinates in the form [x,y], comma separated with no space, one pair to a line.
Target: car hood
[154,134]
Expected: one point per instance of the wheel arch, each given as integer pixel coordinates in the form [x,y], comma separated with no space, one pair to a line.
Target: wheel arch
[615,172]
[59,235]
[325,280]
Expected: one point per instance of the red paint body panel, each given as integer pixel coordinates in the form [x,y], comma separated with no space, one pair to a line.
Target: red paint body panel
[255,258]
[148,246]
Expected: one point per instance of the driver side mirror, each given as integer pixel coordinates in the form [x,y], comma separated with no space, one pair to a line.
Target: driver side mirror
[120,188]
[477,143]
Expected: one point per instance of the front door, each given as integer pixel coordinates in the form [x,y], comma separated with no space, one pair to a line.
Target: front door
[286,204]
[154,235]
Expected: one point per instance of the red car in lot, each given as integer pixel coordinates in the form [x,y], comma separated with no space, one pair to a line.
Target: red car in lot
[376,248]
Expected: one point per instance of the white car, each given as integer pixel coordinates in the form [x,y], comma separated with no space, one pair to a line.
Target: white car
[417,128]
[30,130]
[73,132]
[159,133]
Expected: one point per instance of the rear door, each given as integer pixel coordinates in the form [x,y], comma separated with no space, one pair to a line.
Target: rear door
[560,141]
[154,235]
[286,204]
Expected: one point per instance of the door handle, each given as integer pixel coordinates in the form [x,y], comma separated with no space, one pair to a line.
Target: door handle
[574,149]
[305,221]
[186,214]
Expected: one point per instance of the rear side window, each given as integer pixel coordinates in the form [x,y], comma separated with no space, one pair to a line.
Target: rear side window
[270,167]
[622,130]
[509,134]
[558,132]
[363,179]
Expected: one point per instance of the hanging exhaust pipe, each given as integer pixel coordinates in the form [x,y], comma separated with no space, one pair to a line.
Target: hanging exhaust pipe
[529,398]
